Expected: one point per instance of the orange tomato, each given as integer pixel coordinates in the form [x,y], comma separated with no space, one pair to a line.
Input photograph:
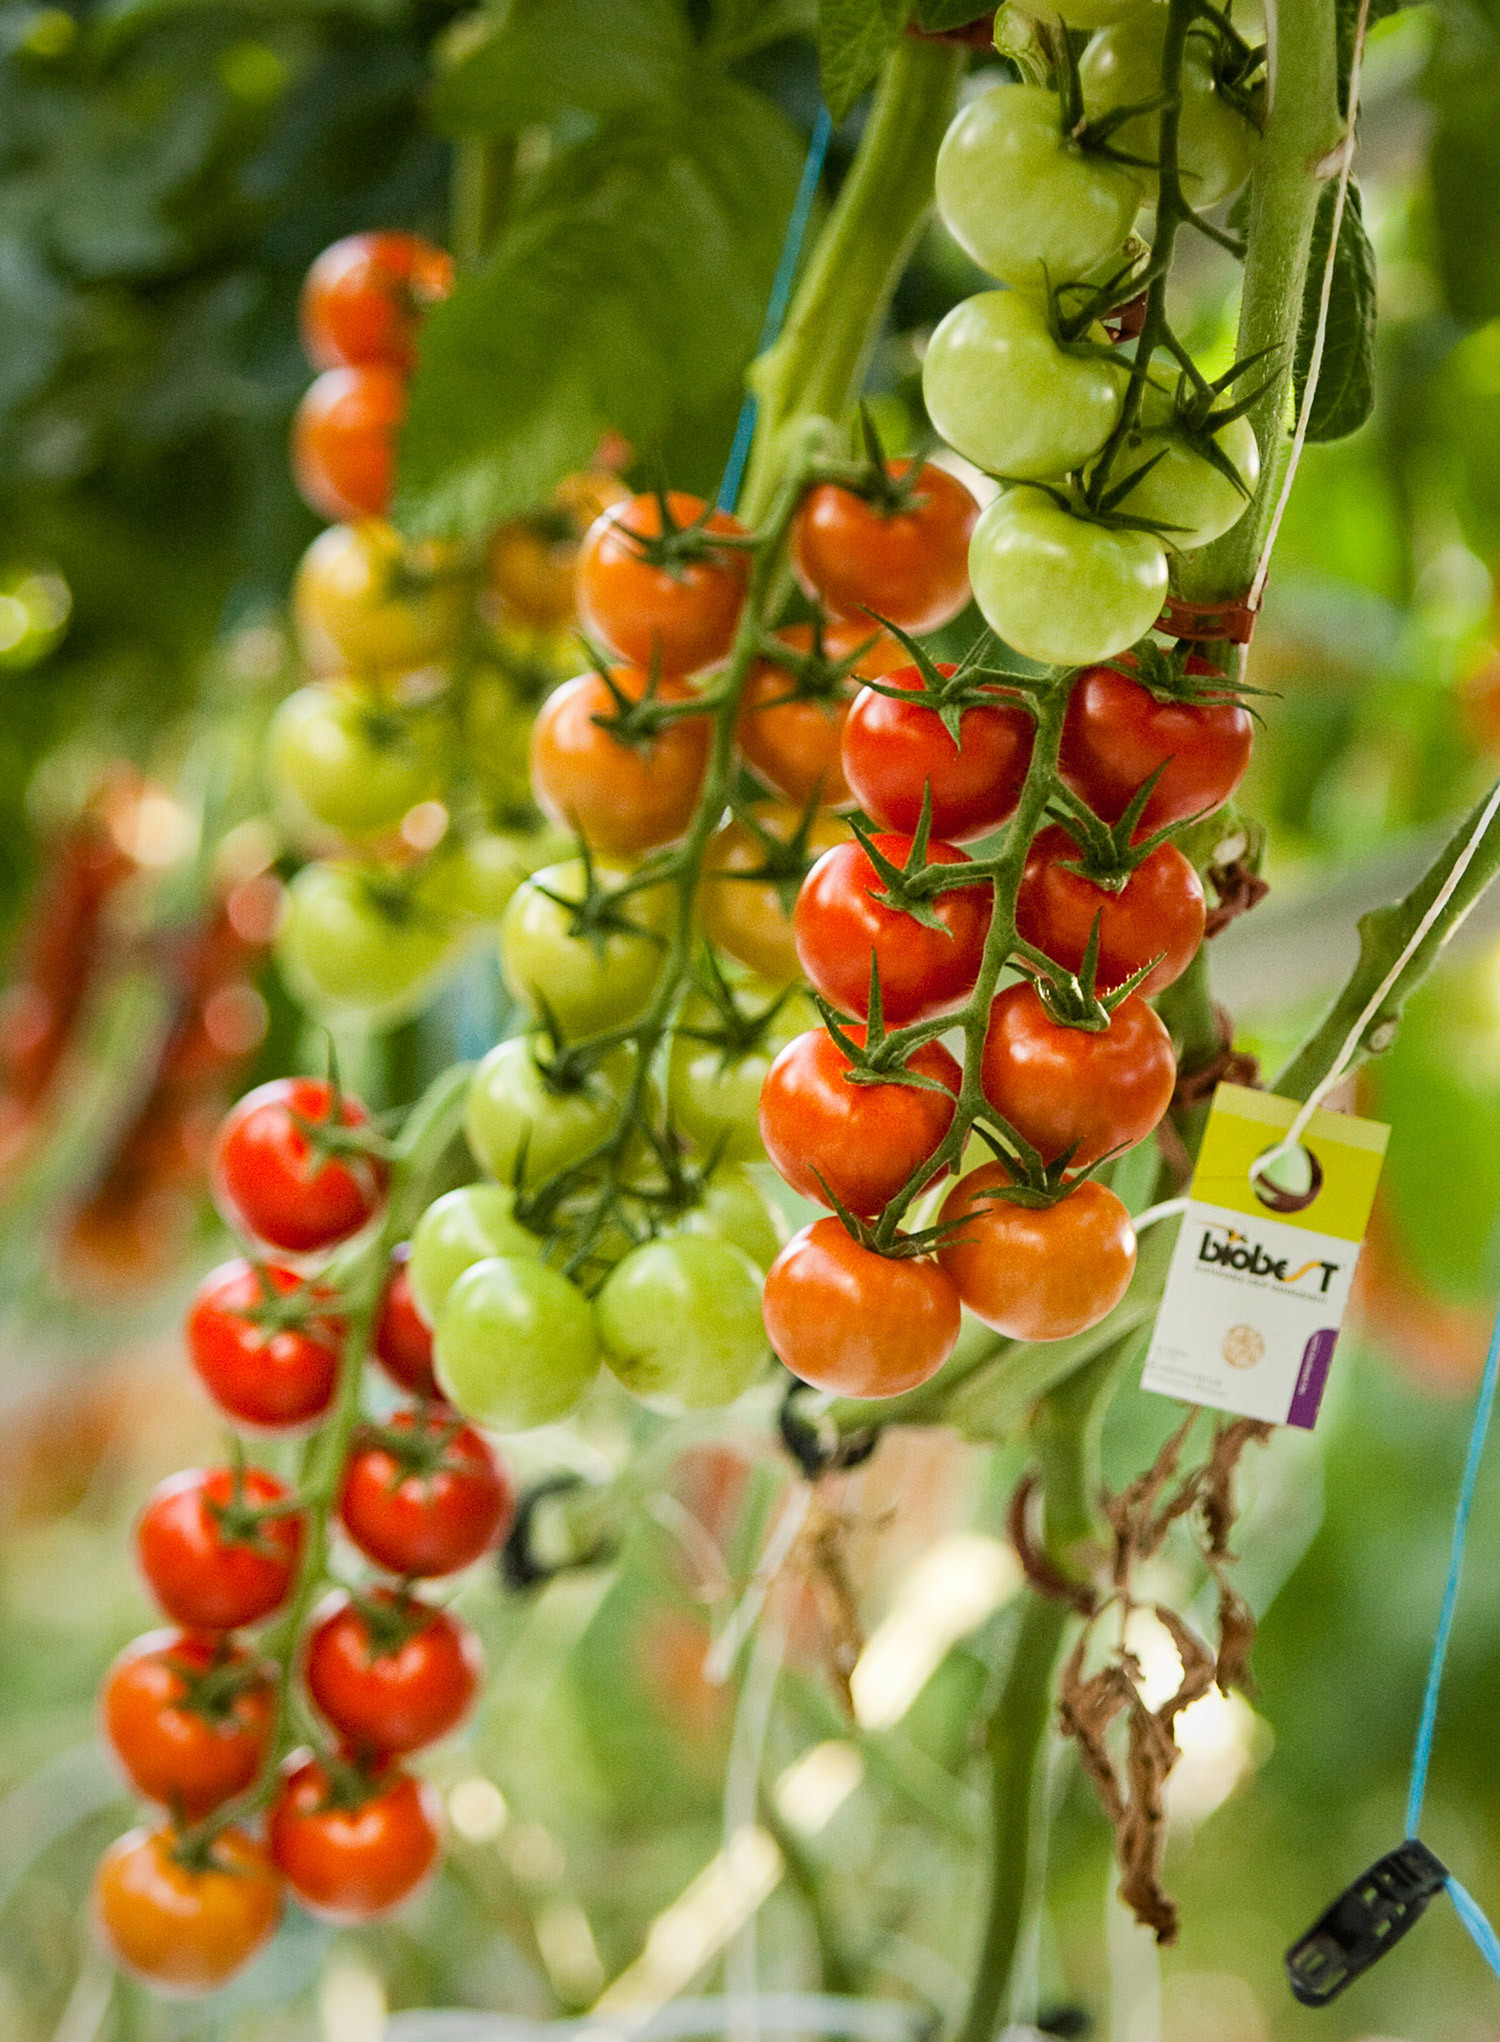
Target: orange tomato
[1037,1273]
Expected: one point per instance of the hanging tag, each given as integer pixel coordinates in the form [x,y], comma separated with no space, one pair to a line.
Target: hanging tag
[1260,1278]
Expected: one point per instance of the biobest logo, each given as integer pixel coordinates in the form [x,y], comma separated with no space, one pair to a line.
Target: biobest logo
[1222,1246]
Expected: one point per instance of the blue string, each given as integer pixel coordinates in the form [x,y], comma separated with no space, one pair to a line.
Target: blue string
[781,293]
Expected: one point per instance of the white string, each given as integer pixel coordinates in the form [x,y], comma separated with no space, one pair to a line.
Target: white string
[1169,1209]
[725,1649]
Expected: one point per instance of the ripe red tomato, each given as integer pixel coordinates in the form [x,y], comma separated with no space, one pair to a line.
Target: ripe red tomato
[894,751]
[424,1495]
[790,739]
[390,1673]
[840,925]
[189,1718]
[859,1324]
[208,1560]
[344,442]
[185,1918]
[1117,733]
[746,918]
[910,565]
[269,1181]
[681,613]
[402,1341]
[1158,912]
[1037,1273]
[621,798]
[1070,1088]
[364,299]
[353,1847]
[862,1141]
[264,1374]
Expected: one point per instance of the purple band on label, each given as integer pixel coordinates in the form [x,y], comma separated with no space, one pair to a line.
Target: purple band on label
[1311,1377]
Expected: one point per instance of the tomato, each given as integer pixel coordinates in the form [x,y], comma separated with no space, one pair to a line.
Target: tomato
[516,1344]
[354,943]
[422,1494]
[517,1121]
[476,876]
[530,564]
[856,1323]
[189,1718]
[1059,588]
[1117,733]
[713,1088]
[1178,488]
[374,602]
[841,926]
[1071,1088]
[894,751]
[790,723]
[621,797]
[1216,145]
[1010,398]
[679,1320]
[180,1925]
[272,1182]
[402,1340]
[344,442]
[356,763]
[832,1139]
[908,561]
[210,1561]
[680,612]
[733,1208]
[389,1672]
[264,1363]
[1037,1273]
[585,983]
[364,298]
[497,738]
[457,1230]
[1158,912]
[350,1846]
[749,918]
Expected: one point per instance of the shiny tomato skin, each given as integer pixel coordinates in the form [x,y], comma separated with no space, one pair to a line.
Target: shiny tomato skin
[744,917]
[894,750]
[792,742]
[344,442]
[352,1864]
[402,1340]
[270,1379]
[856,1323]
[181,1930]
[620,798]
[682,618]
[839,925]
[861,1141]
[1158,912]
[420,1522]
[364,298]
[385,1697]
[910,566]
[209,1576]
[1071,1088]
[1117,733]
[177,1744]
[266,1182]
[1037,1274]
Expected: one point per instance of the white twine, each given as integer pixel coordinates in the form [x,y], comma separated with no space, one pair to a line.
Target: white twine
[725,1649]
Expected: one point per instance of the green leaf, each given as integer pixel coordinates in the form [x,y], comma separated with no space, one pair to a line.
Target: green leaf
[938,15]
[737,28]
[854,39]
[549,57]
[1346,22]
[1345,394]
[1464,164]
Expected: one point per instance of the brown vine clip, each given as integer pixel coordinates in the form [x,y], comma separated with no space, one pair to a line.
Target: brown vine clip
[975,35]
[1234,621]
[1230,1067]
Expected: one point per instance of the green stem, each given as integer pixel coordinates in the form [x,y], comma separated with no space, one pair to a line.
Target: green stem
[484,174]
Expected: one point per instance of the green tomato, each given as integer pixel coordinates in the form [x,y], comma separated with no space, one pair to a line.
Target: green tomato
[1025,201]
[476,877]
[515,1345]
[586,983]
[457,1230]
[1182,491]
[735,1209]
[1004,394]
[353,762]
[714,1095]
[512,1108]
[680,1321]
[354,944]
[1216,146]
[1062,589]
[497,739]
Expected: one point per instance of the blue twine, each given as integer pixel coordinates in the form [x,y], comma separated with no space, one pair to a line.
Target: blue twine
[781,293]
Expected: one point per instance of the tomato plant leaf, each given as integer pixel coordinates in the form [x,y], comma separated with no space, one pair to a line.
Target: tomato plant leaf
[1465,160]
[1345,395]
[549,57]
[737,28]
[854,39]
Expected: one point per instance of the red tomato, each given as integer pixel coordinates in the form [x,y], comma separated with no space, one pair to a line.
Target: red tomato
[263,1373]
[352,1847]
[620,797]
[423,1494]
[1070,1088]
[390,1673]
[859,1324]
[344,442]
[270,1182]
[208,1560]
[364,299]
[862,1141]
[909,565]
[840,925]
[1037,1273]
[790,738]
[185,1918]
[680,613]
[1158,912]
[1117,733]
[894,751]
[189,1718]
[402,1341]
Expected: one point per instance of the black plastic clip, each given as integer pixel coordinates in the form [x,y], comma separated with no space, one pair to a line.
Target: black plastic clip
[1368,1918]
[519,1566]
[817,1445]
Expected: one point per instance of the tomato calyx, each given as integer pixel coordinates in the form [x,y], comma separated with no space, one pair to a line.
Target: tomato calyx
[736,1033]
[948,690]
[285,1311]
[421,1450]
[908,889]
[240,1523]
[213,1692]
[675,547]
[876,1055]
[1072,999]
[637,722]
[814,675]
[1177,674]
[785,861]
[1108,853]
[331,1137]
[391,1619]
[872,480]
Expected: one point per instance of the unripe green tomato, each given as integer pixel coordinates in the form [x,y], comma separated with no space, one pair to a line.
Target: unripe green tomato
[366,597]
[735,1209]
[587,985]
[497,738]
[1216,146]
[714,1097]
[1025,201]
[1004,394]
[350,945]
[1182,491]
[511,1108]
[457,1230]
[476,878]
[515,1344]
[353,762]
[680,1321]
[1091,13]
[1062,589]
